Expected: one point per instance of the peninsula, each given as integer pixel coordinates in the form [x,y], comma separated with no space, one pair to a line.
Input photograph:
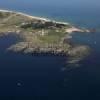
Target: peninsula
[40,35]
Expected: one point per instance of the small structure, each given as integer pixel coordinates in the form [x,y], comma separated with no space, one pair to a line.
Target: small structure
[42,32]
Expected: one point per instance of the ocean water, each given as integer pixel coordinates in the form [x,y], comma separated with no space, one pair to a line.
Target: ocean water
[26,77]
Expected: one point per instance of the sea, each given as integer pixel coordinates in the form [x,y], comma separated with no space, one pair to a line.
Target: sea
[48,77]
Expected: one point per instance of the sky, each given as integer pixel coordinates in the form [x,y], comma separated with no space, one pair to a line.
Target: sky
[38,5]
[52,2]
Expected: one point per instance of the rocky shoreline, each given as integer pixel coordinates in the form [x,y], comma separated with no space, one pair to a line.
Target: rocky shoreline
[76,52]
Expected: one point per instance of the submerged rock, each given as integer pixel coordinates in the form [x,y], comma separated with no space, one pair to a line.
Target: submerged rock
[78,53]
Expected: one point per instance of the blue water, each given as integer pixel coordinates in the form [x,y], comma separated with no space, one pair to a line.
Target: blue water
[26,77]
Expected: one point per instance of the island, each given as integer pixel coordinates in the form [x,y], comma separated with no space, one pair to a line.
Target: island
[41,35]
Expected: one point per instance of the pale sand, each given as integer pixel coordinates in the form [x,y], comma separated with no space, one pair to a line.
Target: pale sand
[74,29]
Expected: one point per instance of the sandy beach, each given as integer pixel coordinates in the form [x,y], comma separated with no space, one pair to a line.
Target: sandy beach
[34,17]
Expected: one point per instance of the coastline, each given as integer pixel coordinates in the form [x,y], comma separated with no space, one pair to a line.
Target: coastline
[34,17]
[53,37]
[69,30]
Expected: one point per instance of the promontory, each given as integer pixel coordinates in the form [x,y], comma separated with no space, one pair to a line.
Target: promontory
[40,35]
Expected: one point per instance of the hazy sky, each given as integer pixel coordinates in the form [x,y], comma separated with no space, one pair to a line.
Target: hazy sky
[53,2]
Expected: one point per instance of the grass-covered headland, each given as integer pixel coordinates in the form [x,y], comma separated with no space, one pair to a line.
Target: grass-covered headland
[40,35]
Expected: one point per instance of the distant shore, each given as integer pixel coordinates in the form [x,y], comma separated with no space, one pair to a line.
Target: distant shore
[70,30]
[34,17]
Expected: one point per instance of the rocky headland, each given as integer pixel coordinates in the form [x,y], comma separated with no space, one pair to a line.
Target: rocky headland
[40,35]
